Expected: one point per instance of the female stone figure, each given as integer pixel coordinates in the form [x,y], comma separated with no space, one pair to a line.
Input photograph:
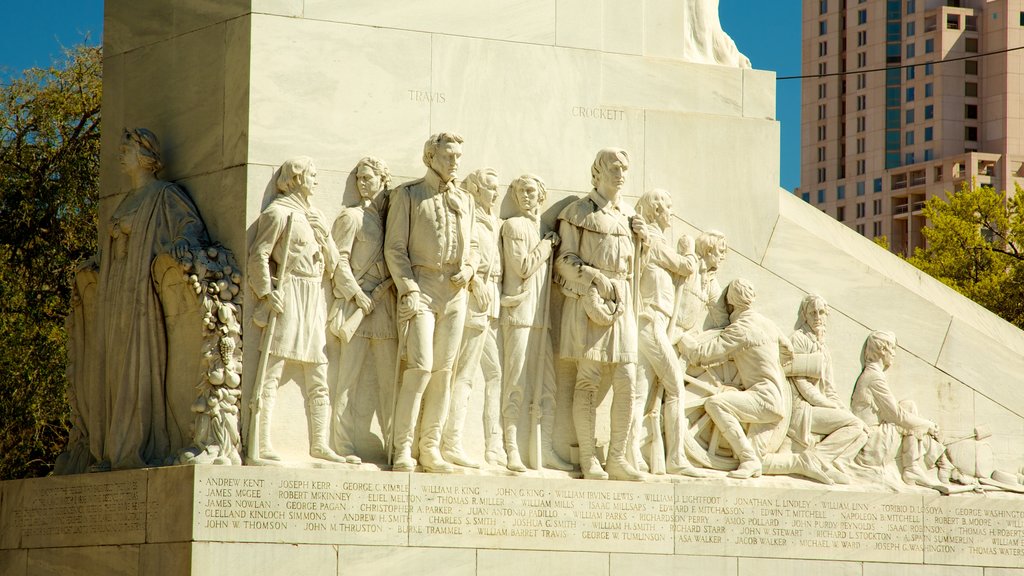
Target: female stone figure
[154,217]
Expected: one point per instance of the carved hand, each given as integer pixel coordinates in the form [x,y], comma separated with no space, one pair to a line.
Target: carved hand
[685,245]
[640,229]
[408,306]
[461,279]
[277,300]
[483,297]
[181,249]
[553,238]
[364,302]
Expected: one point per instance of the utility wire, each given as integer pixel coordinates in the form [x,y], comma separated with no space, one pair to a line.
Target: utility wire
[848,73]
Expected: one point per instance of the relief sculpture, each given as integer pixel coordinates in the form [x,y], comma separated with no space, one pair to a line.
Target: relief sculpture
[154,319]
[433,293]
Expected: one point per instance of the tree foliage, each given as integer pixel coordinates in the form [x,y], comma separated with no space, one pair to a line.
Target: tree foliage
[974,244]
[49,172]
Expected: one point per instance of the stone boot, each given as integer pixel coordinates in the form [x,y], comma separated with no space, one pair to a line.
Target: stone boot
[515,461]
[319,417]
[675,426]
[407,410]
[750,464]
[451,438]
[583,418]
[618,466]
[435,412]
[550,458]
[805,464]
[266,448]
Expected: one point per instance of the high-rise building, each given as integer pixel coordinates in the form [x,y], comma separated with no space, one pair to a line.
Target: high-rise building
[906,99]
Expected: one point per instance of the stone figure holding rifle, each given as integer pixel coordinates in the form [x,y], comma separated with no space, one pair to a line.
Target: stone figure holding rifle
[596,264]
[660,372]
[528,366]
[290,253]
[363,315]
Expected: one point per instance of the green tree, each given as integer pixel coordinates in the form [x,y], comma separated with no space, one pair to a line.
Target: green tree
[974,242]
[49,172]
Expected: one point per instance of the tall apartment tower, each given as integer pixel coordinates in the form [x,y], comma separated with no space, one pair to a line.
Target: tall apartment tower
[906,99]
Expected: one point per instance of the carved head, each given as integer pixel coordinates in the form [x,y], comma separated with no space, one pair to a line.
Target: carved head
[372,177]
[141,146]
[608,172]
[655,207]
[441,152]
[814,315]
[482,184]
[740,295]
[880,346]
[711,247]
[530,193]
[297,176]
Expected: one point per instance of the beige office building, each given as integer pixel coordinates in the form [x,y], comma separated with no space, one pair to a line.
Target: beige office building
[906,99]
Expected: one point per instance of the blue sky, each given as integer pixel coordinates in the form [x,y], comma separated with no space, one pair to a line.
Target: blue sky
[33,32]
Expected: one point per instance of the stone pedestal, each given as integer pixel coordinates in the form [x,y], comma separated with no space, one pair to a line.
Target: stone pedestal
[211,520]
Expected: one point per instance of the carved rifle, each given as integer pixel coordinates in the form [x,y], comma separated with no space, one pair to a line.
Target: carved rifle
[536,449]
[256,404]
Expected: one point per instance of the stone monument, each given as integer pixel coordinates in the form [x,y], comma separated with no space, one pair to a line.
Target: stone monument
[237,88]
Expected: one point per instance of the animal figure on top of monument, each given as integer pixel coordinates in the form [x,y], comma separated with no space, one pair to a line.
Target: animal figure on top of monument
[479,347]
[704,40]
[363,314]
[290,253]
[597,265]
[895,431]
[134,361]
[820,423]
[763,403]
[427,248]
[660,372]
[528,376]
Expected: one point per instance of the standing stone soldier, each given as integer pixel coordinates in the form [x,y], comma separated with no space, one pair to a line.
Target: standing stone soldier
[660,371]
[764,402]
[290,252]
[596,265]
[427,248]
[363,316]
[528,367]
[820,422]
[479,346]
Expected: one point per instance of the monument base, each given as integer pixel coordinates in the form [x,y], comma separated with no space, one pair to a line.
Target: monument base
[263,520]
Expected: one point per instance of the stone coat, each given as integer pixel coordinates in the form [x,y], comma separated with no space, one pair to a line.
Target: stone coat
[359,235]
[426,242]
[525,255]
[300,333]
[596,238]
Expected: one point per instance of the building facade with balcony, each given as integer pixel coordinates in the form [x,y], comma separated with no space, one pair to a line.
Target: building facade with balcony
[906,99]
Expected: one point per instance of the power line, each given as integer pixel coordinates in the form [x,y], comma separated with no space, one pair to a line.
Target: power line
[944,61]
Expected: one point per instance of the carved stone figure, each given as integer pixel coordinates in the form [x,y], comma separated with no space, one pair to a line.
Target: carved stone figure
[139,427]
[660,372]
[427,247]
[529,377]
[479,346]
[363,314]
[820,422]
[134,359]
[289,255]
[704,40]
[894,428]
[764,403]
[597,264]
